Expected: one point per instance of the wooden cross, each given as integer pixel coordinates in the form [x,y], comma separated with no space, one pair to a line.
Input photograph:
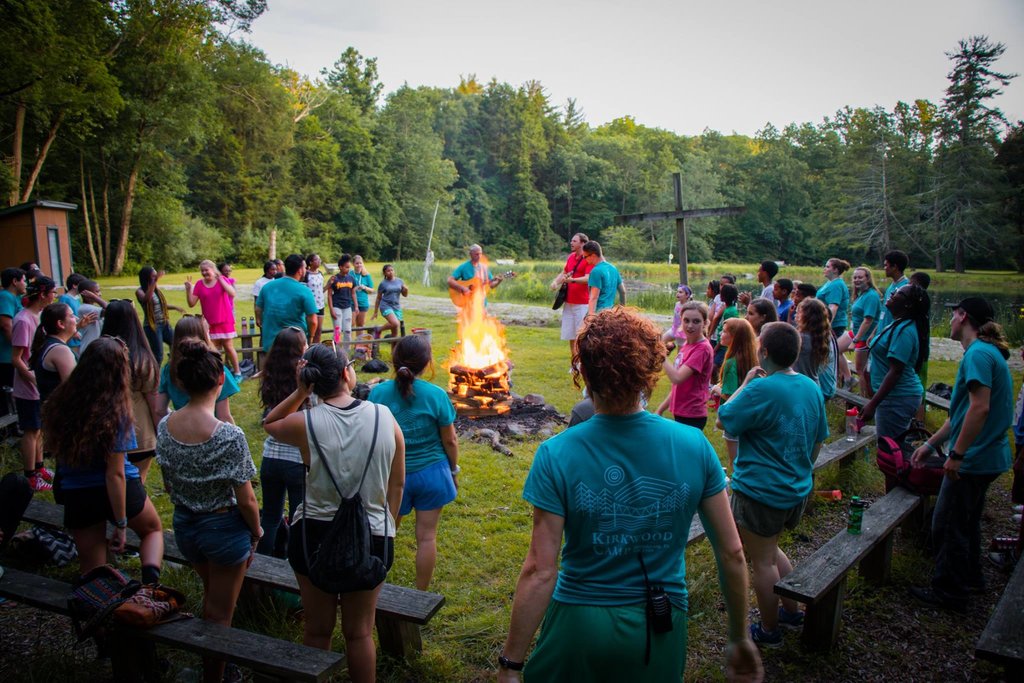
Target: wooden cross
[680,215]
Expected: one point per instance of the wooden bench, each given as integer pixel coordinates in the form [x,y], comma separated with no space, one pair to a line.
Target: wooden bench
[133,655]
[1002,641]
[840,449]
[249,351]
[401,611]
[853,399]
[820,580]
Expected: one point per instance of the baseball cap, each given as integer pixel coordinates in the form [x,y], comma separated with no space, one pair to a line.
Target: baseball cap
[977,309]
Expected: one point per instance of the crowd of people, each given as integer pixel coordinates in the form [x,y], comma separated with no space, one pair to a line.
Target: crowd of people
[605,572]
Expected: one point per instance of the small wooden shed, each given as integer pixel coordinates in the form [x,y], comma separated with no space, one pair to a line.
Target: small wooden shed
[37,231]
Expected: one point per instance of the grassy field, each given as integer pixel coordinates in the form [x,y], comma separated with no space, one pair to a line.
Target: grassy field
[484,535]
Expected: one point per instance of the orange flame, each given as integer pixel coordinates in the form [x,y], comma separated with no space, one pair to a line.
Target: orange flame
[481,336]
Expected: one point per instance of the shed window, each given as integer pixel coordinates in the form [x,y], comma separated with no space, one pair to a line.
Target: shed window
[56,267]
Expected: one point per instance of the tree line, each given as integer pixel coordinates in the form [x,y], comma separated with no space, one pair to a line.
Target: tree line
[180,141]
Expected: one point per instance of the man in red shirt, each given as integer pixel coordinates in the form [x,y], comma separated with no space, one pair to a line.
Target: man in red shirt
[575,273]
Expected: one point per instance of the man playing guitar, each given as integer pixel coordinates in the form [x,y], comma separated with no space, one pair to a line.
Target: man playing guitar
[472,273]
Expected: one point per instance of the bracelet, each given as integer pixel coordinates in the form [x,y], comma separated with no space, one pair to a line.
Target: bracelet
[456,470]
[931,448]
[121,523]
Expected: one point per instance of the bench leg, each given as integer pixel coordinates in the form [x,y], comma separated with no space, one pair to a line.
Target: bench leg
[821,623]
[399,638]
[876,564]
[133,659]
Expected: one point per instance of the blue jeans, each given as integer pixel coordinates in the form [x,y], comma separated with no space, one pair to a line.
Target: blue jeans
[893,415]
[956,533]
[157,338]
[276,478]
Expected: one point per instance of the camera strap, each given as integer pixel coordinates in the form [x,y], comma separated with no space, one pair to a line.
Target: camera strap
[647,611]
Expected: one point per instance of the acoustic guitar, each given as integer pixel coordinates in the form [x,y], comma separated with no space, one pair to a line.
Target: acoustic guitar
[460,299]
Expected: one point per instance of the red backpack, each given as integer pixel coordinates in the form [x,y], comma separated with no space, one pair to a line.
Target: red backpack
[893,458]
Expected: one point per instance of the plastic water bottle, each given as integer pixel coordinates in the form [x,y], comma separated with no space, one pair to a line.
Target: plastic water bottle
[245,326]
[852,424]
[252,324]
[856,515]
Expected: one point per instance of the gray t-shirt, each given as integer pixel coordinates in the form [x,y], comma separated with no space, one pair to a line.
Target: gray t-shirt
[91,332]
[391,291]
[202,476]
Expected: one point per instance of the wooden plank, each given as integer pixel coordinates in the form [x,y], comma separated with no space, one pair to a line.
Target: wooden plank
[850,398]
[813,578]
[35,591]
[1002,640]
[395,602]
[936,400]
[671,215]
[823,619]
[840,449]
[697,532]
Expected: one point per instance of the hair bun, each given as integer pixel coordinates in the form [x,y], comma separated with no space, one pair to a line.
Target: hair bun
[405,373]
[310,373]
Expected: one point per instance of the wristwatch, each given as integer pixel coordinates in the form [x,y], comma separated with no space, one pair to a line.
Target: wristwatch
[953,455]
[506,663]
[121,523]
[456,470]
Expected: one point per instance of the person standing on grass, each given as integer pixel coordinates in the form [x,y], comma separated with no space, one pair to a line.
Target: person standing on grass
[897,352]
[980,413]
[339,439]
[782,291]
[52,359]
[674,335]
[864,314]
[765,274]
[286,302]
[835,294]
[690,373]
[171,393]
[577,296]
[591,561]
[364,287]
[759,312]
[427,419]
[818,351]
[94,305]
[38,295]
[344,302]
[894,263]
[209,472]
[13,283]
[269,274]
[741,357]
[156,317]
[778,415]
[389,303]
[315,281]
[217,299]
[88,423]
[729,297]
[604,281]
[476,270]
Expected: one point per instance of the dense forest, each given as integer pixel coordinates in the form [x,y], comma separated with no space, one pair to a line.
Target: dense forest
[180,141]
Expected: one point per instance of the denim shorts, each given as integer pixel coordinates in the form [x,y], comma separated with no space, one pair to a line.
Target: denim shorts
[428,489]
[219,537]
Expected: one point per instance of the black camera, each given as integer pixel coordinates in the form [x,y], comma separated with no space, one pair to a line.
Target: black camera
[659,609]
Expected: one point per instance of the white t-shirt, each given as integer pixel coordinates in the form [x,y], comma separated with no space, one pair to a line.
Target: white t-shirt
[258,285]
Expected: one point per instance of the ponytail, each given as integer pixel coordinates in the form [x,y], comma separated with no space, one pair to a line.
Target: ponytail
[411,357]
[992,332]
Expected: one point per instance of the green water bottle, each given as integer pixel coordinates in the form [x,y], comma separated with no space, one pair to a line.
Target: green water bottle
[856,515]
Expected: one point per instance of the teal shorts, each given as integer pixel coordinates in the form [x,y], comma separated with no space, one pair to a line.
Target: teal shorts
[592,643]
[397,312]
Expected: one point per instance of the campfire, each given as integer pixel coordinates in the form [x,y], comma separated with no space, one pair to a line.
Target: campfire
[479,364]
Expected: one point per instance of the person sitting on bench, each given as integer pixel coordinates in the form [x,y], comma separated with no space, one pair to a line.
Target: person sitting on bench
[778,415]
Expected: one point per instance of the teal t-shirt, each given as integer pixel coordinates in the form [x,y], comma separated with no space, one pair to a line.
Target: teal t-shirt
[179,398]
[420,416]
[619,499]
[779,419]
[284,303]
[990,451]
[884,316]
[606,278]
[362,298]
[9,306]
[867,305]
[466,271]
[835,292]
[899,341]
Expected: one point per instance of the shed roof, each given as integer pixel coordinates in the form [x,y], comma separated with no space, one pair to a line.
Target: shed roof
[38,204]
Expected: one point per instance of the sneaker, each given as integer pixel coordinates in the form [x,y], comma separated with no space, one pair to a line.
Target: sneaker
[764,638]
[1004,561]
[792,620]
[37,483]
[933,598]
[45,473]
[1017,509]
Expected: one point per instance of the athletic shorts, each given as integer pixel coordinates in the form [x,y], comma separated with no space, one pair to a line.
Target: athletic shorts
[221,538]
[761,519]
[29,413]
[572,320]
[314,530]
[857,345]
[87,507]
[397,312]
[428,489]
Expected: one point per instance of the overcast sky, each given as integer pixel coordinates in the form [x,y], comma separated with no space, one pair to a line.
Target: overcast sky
[726,65]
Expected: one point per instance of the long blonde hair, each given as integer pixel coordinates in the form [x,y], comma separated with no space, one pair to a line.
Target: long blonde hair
[871,283]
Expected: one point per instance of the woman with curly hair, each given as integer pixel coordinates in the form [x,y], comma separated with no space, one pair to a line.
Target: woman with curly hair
[690,373]
[121,320]
[818,351]
[864,314]
[594,602]
[170,392]
[739,336]
[427,418]
[897,352]
[88,423]
[281,470]
[209,472]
